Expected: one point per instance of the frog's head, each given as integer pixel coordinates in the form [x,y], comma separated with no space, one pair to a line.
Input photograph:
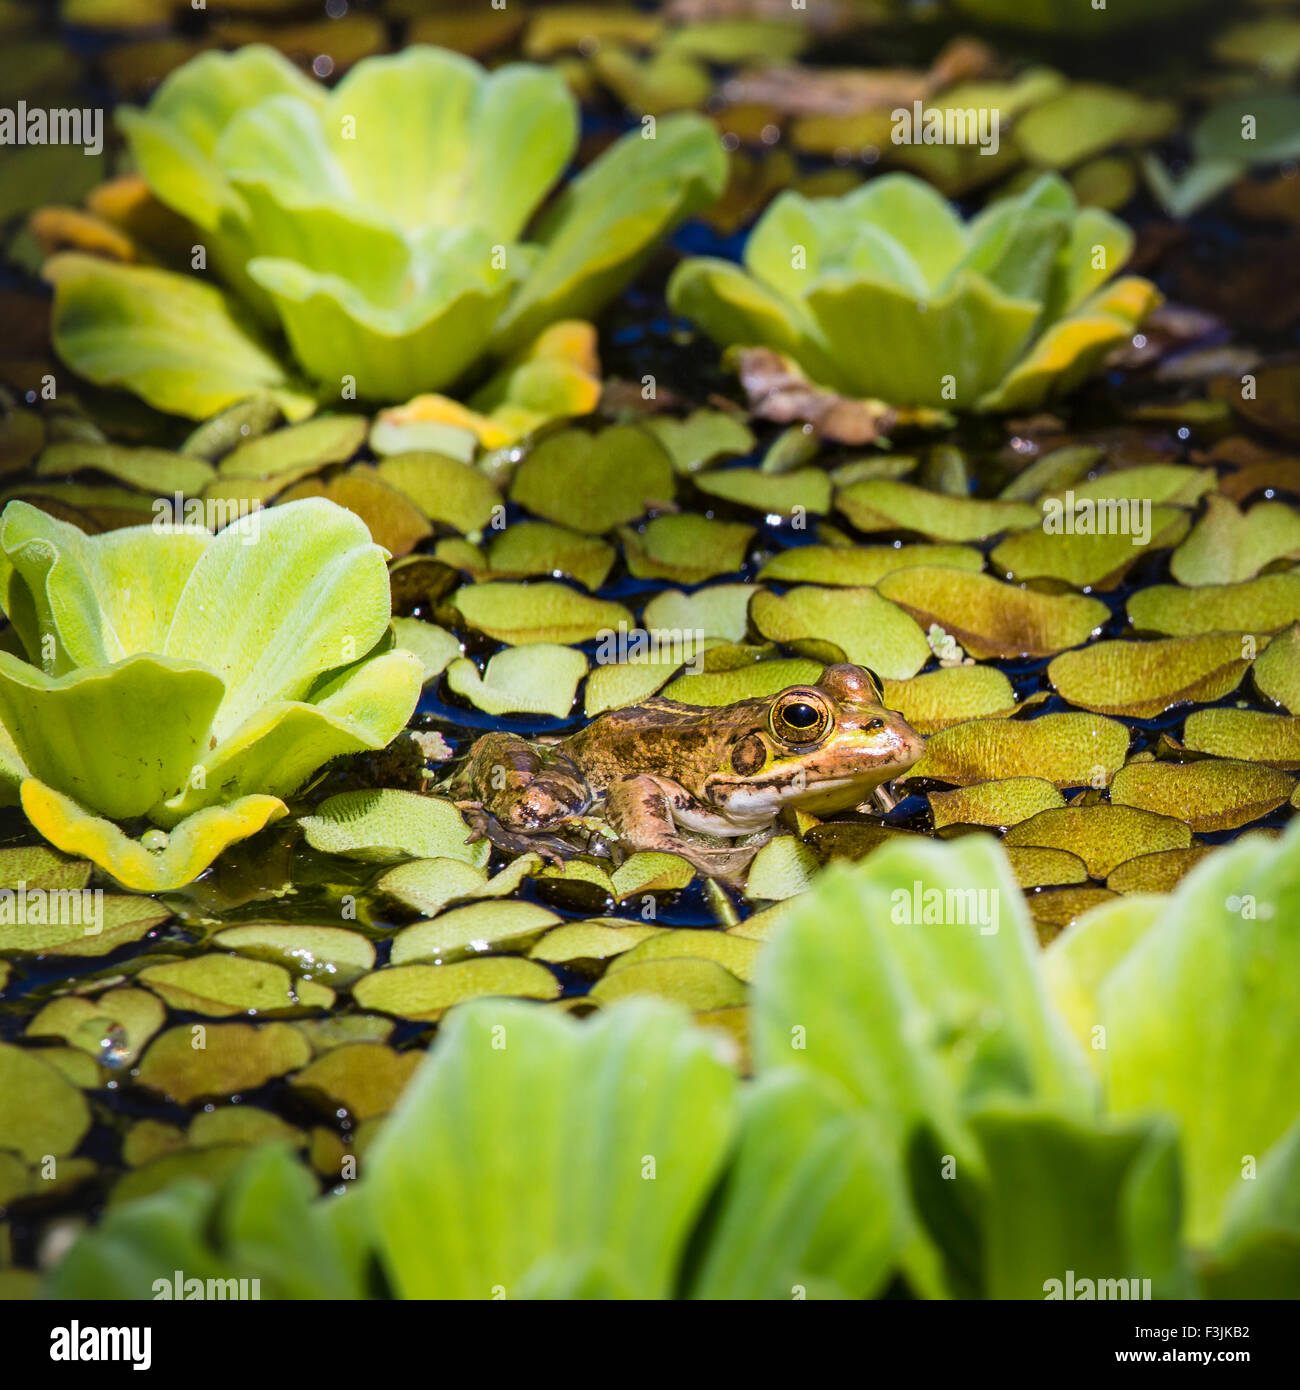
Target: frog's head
[823,748]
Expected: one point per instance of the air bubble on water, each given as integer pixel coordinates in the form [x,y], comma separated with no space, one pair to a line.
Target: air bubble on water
[114,1047]
[155,840]
[322,65]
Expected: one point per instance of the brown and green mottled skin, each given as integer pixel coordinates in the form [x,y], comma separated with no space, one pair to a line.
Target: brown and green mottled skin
[665,774]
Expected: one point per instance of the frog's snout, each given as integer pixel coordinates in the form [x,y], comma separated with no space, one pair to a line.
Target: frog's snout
[908,744]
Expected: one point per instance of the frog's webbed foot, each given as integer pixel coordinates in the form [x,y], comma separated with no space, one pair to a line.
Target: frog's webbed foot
[485,826]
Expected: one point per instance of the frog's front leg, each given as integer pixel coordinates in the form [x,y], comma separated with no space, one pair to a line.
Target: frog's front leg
[645,812]
[514,791]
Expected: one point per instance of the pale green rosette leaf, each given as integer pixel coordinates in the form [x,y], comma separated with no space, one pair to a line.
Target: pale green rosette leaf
[885,293]
[115,738]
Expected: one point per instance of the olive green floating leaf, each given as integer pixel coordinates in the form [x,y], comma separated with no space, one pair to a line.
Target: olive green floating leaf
[781,869]
[1054,909]
[744,683]
[424,993]
[1000,803]
[379,826]
[1228,545]
[225,1059]
[881,504]
[334,1030]
[1213,794]
[1036,866]
[1138,680]
[541,678]
[237,424]
[519,614]
[155,471]
[182,345]
[560,1209]
[1265,604]
[1167,484]
[937,699]
[685,548]
[538,547]
[1102,836]
[811,1203]
[443,488]
[1088,118]
[220,986]
[1245,734]
[863,566]
[1086,561]
[183,854]
[473,930]
[85,928]
[735,953]
[428,885]
[1056,469]
[395,523]
[364,1078]
[38,866]
[1276,672]
[40,1111]
[648,872]
[721,610]
[434,645]
[701,438]
[240,1124]
[288,453]
[112,1029]
[595,482]
[1157,872]
[1209,984]
[328,955]
[687,980]
[868,629]
[209,1167]
[589,943]
[799,493]
[615,686]
[993,619]
[1068,750]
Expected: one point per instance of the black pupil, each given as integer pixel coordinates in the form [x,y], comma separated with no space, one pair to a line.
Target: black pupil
[801,716]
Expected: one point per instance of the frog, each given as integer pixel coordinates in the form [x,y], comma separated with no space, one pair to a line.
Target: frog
[708,783]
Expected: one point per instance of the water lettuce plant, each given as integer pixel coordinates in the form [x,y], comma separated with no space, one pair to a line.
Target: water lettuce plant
[885,292]
[167,675]
[386,228]
[937,1105]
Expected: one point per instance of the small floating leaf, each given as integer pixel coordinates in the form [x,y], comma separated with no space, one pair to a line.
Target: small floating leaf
[736,953]
[651,872]
[434,645]
[541,678]
[870,630]
[880,504]
[594,482]
[937,699]
[685,548]
[1277,671]
[38,866]
[1054,909]
[232,1057]
[721,610]
[798,493]
[1001,803]
[1142,679]
[1068,750]
[443,488]
[427,885]
[745,683]
[993,619]
[625,683]
[1255,605]
[1036,866]
[239,1124]
[365,1078]
[220,985]
[1210,795]
[329,955]
[702,437]
[863,565]
[472,930]
[783,868]
[1102,836]
[425,992]
[288,452]
[40,1111]
[1228,544]
[1086,561]
[112,1029]
[522,613]
[392,519]
[1245,734]
[382,825]
[590,942]
[122,918]
[1158,872]
[538,547]
[698,984]
[155,471]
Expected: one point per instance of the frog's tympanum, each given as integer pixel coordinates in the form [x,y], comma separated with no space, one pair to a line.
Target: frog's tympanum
[689,780]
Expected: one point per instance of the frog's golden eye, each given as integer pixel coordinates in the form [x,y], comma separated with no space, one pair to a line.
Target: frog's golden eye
[800,718]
